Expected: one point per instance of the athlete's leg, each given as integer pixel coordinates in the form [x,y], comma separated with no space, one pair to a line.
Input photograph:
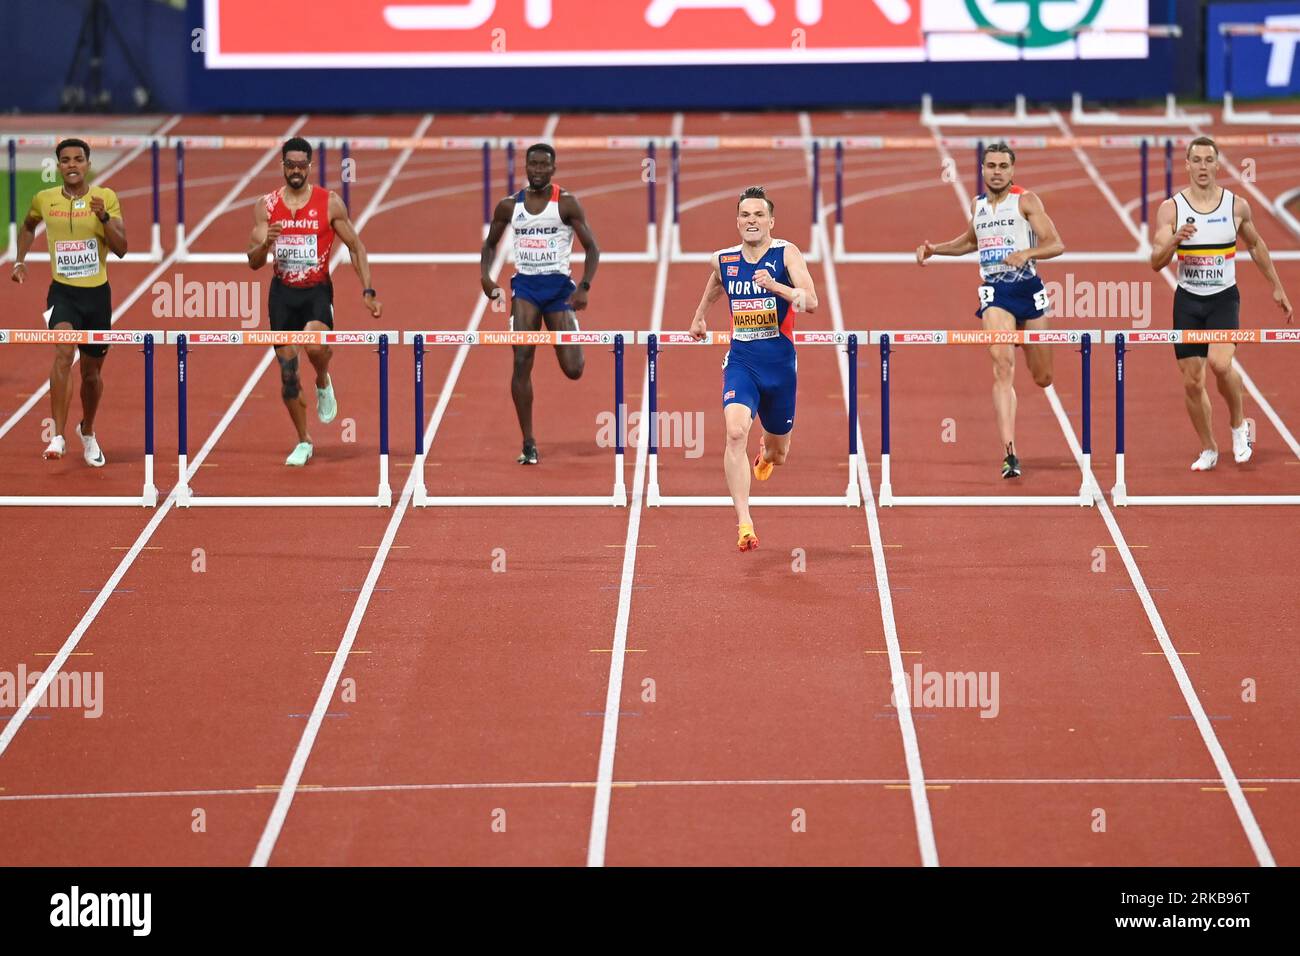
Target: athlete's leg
[92,389]
[1004,373]
[1196,399]
[291,389]
[735,458]
[524,317]
[569,356]
[319,355]
[61,382]
[1038,357]
[1228,380]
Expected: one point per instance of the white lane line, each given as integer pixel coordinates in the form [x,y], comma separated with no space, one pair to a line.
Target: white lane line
[599,833]
[48,676]
[631,784]
[1232,785]
[898,675]
[302,753]
[1101,184]
[115,166]
[158,270]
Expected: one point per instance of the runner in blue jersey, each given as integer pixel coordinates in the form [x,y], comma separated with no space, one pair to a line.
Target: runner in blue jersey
[1010,229]
[765,281]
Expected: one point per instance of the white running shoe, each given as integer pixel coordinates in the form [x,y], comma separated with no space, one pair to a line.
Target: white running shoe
[300,455]
[90,449]
[54,450]
[1241,445]
[1205,460]
[326,406]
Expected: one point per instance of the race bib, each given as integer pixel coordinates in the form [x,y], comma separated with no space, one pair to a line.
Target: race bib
[76,258]
[993,250]
[753,319]
[295,253]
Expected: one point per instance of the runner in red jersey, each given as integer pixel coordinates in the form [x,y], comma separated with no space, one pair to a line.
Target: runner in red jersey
[297,223]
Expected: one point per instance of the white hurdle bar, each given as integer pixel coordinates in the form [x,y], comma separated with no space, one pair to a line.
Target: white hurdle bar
[1080,337]
[148,498]
[1119,495]
[852,496]
[185,496]
[1172,116]
[420,340]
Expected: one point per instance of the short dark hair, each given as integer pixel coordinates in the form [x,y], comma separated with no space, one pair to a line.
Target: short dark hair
[64,144]
[756,192]
[1203,141]
[1000,147]
[540,148]
[295,144]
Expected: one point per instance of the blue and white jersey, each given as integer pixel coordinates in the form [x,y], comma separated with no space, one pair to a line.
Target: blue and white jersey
[762,322]
[542,243]
[1000,232]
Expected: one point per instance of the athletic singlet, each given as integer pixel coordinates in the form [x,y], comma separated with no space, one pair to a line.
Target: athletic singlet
[1207,264]
[542,243]
[302,252]
[762,324]
[78,252]
[1000,232]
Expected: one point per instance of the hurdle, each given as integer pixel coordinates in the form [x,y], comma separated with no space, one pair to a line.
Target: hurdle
[1122,340]
[1173,114]
[812,253]
[420,341]
[852,497]
[185,496]
[1227,32]
[1081,337]
[155,253]
[148,498]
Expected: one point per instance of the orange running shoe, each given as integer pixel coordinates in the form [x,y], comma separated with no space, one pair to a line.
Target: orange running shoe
[747,540]
[762,469]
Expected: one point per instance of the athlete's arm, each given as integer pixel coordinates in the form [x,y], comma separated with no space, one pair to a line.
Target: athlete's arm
[1049,240]
[712,293]
[263,238]
[347,234]
[1259,252]
[500,222]
[1165,242]
[963,244]
[802,294]
[26,236]
[114,228]
[572,215]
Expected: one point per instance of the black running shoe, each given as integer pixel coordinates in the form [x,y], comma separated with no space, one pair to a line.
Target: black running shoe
[529,455]
[1011,466]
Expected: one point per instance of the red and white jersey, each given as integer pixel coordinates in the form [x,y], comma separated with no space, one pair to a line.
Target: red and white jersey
[302,251]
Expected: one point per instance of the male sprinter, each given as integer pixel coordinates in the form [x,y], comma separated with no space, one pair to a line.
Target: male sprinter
[1011,229]
[1208,219]
[80,220]
[299,221]
[762,279]
[545,219]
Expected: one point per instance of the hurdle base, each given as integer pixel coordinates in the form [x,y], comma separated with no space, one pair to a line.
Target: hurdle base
[984,501]
[1124,499]
[1258,117]
[615,500]
[1172,116]
[292,501]
[657,500]
[85,501]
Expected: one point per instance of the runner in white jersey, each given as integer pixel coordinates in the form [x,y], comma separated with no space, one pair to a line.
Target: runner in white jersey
[1208,220]
[545,218]
[1011,230]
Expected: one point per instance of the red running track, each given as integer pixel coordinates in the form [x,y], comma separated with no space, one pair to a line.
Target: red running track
[751,720]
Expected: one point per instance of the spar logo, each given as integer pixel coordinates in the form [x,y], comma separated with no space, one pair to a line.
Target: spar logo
[1005,15]
[4,337]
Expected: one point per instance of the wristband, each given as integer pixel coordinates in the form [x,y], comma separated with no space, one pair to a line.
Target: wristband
[104,218]
[366,292]
[584,285]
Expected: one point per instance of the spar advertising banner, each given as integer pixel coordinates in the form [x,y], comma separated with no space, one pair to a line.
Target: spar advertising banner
[394,34]
[1262,66]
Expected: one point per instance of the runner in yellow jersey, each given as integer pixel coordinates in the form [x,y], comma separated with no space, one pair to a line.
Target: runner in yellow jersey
[83,223]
